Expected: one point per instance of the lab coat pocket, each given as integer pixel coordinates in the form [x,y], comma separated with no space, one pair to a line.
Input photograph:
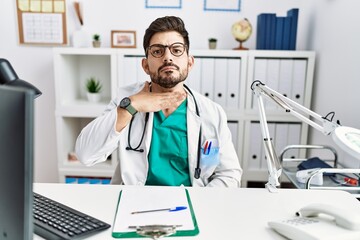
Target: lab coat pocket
[210,158]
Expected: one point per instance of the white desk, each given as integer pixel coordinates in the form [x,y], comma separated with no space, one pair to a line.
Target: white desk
[221,213]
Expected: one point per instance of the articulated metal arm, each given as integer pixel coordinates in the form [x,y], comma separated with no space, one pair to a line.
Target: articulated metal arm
[299,111]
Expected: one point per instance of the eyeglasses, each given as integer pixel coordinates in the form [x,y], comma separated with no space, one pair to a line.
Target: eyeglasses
[158,50]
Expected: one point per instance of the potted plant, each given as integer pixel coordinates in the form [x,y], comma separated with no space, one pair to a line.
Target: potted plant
[93,87]
[212,43]
[96,41]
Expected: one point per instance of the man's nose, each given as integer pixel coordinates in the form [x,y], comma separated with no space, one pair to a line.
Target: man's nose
[168,55]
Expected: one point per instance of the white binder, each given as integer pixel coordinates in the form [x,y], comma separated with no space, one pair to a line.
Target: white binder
[281,137]
[272,78]
[233,89]
[256,143]
[260,69]
[233,126]
[221,81]
[294,133]
[285,78]
[194,78]
[299,77]
[207,77]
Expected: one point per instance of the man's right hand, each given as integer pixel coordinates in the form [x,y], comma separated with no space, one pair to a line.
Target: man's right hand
[146,101]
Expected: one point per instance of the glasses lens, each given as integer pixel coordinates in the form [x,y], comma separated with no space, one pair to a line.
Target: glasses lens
[157,50]
[177,49]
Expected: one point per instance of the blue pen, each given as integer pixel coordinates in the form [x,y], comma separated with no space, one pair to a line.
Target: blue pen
[174,209]
[208,152]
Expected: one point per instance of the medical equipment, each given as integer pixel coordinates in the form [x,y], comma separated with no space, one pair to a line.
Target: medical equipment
[136,149]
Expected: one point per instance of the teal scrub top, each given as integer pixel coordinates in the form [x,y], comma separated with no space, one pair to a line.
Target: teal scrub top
[168,155]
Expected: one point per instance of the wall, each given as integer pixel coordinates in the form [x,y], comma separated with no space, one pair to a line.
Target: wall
[336,38]
[317,31]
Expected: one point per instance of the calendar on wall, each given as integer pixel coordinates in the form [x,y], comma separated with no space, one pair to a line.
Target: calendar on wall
[42,22]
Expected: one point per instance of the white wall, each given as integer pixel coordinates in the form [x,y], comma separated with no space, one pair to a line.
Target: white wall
[336,70]
[336,39]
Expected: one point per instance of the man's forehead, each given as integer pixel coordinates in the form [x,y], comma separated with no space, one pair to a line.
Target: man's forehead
[166,38]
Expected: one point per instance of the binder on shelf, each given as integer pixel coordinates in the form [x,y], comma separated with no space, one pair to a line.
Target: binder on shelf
[281,136]
[256,144]
[294,133]
[298,80]
[279,33]
[273,72]
[146,200]
[234,78]
[194,78]
[221,81]
[285,78]
[261,31]
[286,33]
[270,30]
[293,14]
[260,69]
[233,126]
[207,77]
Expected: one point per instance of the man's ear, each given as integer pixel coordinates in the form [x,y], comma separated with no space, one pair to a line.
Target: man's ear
[191,62]
[145,65]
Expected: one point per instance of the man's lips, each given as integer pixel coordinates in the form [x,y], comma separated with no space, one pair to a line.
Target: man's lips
[168,68]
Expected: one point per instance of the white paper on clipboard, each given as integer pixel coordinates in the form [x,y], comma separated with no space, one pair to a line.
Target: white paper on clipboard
[150,198]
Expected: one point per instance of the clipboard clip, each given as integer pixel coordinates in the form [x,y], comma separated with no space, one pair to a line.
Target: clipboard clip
[155,231]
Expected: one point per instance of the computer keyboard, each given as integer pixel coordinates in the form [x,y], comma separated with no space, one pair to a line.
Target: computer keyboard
[53,220]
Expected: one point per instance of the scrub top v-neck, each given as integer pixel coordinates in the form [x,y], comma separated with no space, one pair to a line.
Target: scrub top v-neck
[168,155]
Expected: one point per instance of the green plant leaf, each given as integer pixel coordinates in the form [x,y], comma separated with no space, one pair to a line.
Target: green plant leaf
[93,85]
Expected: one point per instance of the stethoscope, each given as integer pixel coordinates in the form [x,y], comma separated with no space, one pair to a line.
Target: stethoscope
[138,149]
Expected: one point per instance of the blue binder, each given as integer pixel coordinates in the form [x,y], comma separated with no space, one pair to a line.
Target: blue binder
[279,33]
[293,14]
[286,33]
[260,31]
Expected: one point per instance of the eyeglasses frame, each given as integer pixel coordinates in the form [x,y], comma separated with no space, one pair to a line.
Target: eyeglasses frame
[166,46]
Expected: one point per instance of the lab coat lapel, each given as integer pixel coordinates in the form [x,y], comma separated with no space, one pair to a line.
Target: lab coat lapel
[148,133]
[193,129]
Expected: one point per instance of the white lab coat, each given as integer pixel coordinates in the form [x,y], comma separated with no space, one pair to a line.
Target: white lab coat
[99,139]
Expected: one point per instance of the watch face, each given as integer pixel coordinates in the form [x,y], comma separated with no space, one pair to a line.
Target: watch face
[125,102]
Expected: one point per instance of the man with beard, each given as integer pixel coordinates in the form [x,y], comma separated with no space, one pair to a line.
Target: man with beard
[165,133]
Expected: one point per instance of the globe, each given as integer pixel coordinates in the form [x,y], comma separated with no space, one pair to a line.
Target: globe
[241,31]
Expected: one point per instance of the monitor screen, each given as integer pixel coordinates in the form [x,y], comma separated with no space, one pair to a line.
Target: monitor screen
[16,161]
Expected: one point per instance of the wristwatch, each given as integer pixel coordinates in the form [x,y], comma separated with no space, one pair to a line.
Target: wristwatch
[125,103]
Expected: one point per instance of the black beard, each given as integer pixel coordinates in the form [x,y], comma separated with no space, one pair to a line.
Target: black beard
[168,81]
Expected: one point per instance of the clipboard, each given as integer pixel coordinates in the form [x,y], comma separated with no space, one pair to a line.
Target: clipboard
[145,198]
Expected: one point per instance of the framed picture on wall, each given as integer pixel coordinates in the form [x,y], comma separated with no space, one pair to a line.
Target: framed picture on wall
[222,5]
[163,3]
[123,39]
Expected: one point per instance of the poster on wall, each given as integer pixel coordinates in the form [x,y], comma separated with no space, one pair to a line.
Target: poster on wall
[163,3]
[222,5]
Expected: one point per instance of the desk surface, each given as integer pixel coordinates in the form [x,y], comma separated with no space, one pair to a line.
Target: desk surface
[222,213]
